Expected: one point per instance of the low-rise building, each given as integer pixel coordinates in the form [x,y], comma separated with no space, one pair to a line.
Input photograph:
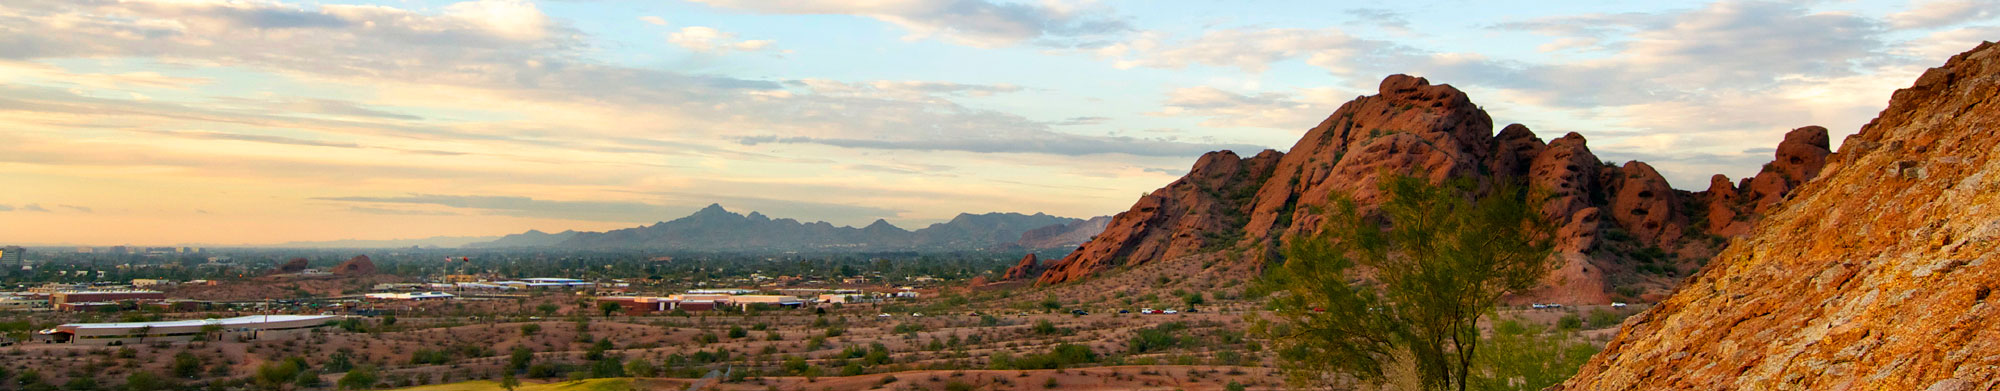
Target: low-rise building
[245,327]
[60,299]
[412,296]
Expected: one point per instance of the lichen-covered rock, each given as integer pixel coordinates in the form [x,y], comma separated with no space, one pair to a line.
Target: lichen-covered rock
[1876,275]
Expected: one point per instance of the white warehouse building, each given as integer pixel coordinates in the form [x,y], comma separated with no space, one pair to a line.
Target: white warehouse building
[247,327]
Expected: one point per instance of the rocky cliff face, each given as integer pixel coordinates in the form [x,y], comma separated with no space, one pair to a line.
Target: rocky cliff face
[1621,225]
[1876,276]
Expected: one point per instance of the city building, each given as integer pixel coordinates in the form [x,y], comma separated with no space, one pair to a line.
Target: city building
[13,258]
[244,327]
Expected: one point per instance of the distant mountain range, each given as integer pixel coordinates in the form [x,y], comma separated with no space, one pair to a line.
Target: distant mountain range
[716,229]
[435,241]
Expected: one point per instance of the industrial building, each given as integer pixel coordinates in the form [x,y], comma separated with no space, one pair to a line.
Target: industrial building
[244,327]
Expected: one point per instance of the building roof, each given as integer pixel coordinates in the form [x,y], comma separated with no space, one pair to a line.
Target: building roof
[236,321]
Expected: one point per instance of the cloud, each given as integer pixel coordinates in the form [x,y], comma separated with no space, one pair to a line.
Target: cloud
[1386,19]
[1250,50]
[399,212]
[76,208]
[349,109]
[350,40]
[709,40]
[654,20]
[980,23]
[1037,142]
[624,211]
[905,90]
[34,208]
[1086,120]
[1941,13]
[1273,110]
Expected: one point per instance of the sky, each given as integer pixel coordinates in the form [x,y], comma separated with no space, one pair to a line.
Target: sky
[258,121]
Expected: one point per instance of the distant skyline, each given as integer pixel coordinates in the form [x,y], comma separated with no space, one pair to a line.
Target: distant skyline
[151,122]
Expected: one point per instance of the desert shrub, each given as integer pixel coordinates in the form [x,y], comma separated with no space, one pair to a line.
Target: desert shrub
[1156,338]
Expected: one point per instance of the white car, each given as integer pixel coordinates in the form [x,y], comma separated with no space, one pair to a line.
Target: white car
[884,315]
[1617,305]
[916,314]
[1170,312]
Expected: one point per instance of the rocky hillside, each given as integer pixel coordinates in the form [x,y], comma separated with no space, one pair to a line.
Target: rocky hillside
[1875,276]
[1625,231]
[716,229]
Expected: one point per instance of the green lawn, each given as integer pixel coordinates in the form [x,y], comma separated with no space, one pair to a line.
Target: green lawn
[607,384]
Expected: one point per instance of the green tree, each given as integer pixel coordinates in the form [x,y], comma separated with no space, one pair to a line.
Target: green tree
[276,374]
[508,381]
[547,309]
[641,367]
[1436,260]
[520,358]
[306,379]
[360,378]
[186,365]
[609,307]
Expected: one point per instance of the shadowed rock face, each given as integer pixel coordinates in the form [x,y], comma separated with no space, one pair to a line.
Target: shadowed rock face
[293,266]
[1877,274]
[1248,206]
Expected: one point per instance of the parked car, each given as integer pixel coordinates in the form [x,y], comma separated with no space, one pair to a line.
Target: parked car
[1148,311]
[1191,310]
[884,315]
[1170,312]
[1617,305]
[1078,312]
[1124,311]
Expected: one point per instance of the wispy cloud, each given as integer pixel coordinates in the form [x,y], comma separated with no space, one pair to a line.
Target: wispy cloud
[980,23]
[525,206]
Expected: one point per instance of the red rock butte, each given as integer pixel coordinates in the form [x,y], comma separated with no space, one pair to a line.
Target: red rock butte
[1606,213]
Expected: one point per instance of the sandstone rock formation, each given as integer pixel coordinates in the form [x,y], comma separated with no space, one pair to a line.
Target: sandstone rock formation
[1247,206]
[293,266]
[1029,267]
[1732,210]
[1877,275]
[1199,211]
[360,265]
